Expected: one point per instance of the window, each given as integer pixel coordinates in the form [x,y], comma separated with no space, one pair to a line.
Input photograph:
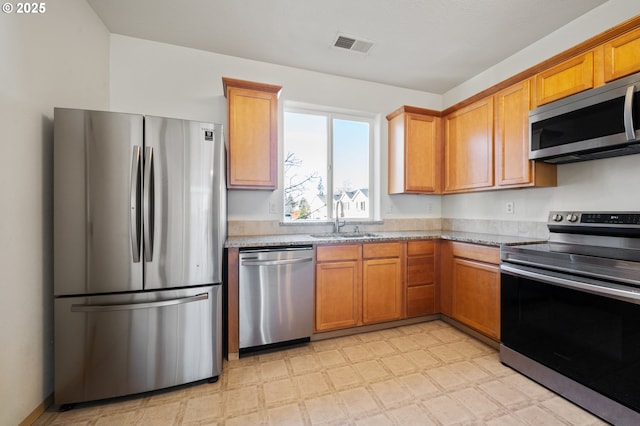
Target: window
[327,161]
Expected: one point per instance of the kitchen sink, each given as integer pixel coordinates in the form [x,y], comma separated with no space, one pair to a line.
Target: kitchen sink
[345,235]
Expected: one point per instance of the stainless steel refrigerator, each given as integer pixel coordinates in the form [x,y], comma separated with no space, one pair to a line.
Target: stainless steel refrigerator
[139,228]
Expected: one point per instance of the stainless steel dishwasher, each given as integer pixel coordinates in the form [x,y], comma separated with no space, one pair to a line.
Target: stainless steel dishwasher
[275,295]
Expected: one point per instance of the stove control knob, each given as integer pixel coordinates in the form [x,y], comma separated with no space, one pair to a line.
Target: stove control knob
[572,218]
[557,217]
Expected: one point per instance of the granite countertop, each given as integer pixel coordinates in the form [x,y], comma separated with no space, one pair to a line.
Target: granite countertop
[302,239]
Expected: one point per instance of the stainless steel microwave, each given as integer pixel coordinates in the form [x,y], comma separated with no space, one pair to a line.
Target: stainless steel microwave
[598,123]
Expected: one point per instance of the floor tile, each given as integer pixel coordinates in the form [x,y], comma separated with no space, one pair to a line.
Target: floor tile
[358,401]
[372,370]
[279,392]
[343,377]
[286,415]
[324,409]
[420,374]
[448,411]
[391,393]
[312,384]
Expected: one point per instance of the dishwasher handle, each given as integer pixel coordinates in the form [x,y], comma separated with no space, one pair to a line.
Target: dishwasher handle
[276,262]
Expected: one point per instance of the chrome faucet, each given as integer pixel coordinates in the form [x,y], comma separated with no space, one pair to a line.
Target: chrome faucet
[337,225]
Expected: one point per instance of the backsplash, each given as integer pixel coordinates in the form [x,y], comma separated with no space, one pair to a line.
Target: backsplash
[241,228]
[499,227]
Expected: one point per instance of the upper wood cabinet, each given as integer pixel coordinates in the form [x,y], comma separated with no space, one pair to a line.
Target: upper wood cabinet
[468,147]
[252,129]
[513,167]
[415,153]
[565,79]
[622,56]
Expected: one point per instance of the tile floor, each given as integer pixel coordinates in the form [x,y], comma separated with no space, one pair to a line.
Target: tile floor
[421,374]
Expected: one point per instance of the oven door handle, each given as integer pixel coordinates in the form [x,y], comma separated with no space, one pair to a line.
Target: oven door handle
[554,279]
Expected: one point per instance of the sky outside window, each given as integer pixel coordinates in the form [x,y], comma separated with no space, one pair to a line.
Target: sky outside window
[308,165]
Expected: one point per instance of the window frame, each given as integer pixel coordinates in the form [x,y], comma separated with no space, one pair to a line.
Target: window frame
[332,113]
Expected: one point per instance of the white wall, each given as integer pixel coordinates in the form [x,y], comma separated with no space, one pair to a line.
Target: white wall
[156,78]
[161,79]
[59,58]
[610,184]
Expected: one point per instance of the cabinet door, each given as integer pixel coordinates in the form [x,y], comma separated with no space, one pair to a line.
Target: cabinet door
[469,147]
[414,151]
[513,167]
[512,135]
[253,135]
[422,172]
[382,290]
[622,56]
[476,296]
[421,300]
[338,295]
[567,78]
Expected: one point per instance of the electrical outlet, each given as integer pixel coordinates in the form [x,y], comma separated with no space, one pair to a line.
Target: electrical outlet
[273,208]
[509,207]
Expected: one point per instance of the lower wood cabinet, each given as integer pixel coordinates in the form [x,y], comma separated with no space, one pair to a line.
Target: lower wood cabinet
[471,286]
[338,287]
[421,286]
[358,284]
[476,296]
[382,282]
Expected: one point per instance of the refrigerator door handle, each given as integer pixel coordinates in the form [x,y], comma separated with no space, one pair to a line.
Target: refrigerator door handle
[141,305]
[148,204]
[135,204]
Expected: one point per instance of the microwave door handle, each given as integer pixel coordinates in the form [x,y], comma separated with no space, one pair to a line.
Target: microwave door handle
[628,114]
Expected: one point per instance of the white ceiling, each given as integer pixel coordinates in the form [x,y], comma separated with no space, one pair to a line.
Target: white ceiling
[428,45]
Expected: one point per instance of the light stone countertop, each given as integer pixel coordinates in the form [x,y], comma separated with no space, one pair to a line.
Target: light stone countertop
[307,239]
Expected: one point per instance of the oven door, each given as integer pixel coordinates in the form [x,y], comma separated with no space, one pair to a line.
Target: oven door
[584,329]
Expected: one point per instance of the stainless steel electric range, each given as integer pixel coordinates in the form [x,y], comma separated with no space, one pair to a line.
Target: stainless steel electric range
[570,311]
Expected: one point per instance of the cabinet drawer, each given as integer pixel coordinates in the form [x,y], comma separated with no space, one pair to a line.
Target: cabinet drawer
[421,300]
[338,252]
[488,254]
[375,250]
[420,270]
[420,247]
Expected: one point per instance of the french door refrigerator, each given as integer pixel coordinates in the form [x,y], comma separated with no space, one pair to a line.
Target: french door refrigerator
[139,228]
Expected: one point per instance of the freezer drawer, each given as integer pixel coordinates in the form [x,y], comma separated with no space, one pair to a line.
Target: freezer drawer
[275,296]
[115,345]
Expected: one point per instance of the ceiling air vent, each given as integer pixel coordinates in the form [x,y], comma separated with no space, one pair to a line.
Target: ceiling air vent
[354,44]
